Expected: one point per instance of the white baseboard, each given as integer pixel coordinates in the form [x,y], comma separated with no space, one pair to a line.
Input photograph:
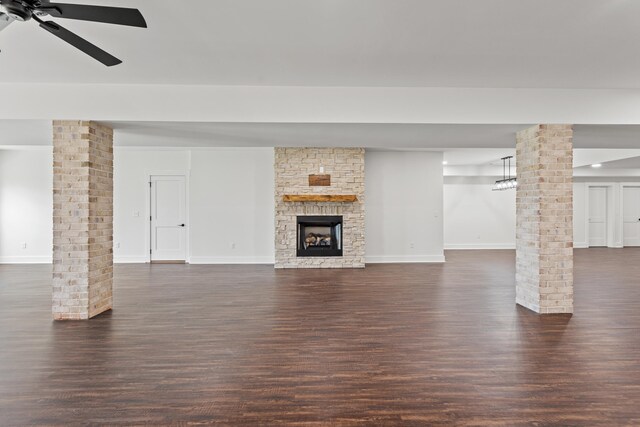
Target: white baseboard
[231,260]
[465,246]
[583,245]
[48,260]
[143,260]
[25,260]
[381,259]
[130,260]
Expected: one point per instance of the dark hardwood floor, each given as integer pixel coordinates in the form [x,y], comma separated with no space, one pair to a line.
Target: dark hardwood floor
[387,345]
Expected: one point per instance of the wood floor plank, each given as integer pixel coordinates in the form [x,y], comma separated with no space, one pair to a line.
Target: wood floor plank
[420,344]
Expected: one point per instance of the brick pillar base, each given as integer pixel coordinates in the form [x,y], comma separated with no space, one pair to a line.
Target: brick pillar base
[544,224]
[82,219]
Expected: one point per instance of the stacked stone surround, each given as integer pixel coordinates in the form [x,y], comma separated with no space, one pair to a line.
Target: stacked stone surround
[292,169]
[82,219]
[544,225]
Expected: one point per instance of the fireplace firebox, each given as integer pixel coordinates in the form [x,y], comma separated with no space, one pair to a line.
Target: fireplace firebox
[319,236]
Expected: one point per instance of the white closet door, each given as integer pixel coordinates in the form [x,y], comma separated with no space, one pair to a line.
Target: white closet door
[168,217]
[597,216]
[631,216]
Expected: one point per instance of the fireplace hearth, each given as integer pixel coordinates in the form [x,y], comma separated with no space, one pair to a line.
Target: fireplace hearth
[319,236]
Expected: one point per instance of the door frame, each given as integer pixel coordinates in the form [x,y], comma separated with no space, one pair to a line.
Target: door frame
[611,229]
[148,175]
[621,207]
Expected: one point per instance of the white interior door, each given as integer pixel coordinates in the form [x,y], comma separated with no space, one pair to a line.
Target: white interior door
[597,216]
[631,216]
[168,218]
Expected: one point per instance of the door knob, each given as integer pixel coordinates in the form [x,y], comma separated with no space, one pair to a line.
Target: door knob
[181,225]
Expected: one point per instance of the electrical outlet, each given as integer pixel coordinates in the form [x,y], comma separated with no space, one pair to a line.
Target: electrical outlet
[118,245]
[24,245]
[412,245]
[233,245]
[136,213]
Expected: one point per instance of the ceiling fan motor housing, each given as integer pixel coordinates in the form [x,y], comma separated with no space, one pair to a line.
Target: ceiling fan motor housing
[15,9]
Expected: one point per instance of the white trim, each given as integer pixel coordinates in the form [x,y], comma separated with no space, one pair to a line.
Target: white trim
[580,245]
[465,246]
[149,148]
[26,260]
[382,259]
[232,260]
[176,148]
[130,259]
[48,260]
[27,147]
[231,148]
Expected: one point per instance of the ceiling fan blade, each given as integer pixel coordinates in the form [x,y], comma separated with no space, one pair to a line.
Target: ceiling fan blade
[106,14]
[5,20]
[80,43]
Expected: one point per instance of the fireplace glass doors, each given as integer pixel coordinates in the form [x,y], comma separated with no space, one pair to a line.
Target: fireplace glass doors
[319,236]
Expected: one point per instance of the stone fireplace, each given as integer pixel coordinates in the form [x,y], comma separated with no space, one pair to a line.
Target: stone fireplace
[319,218]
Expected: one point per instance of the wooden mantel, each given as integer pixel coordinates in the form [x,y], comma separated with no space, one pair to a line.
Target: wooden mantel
[335,198]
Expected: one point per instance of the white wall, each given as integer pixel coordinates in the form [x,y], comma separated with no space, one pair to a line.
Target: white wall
[410,214]
[403,206]
[615,228]
[131,197]
[475,217]
[26,205]
[232,206]
[230,202]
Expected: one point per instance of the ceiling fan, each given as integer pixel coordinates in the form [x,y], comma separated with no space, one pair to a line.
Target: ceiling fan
[24,10]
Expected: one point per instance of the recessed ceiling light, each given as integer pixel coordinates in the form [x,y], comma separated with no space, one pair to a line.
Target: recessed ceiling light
[444,162]
[596,165]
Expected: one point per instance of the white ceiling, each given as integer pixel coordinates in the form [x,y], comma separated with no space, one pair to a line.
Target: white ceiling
[625,163]
[431,43]
[439,45]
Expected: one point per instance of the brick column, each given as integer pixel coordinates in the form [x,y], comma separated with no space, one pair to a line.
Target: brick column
[544,223]
[82,219]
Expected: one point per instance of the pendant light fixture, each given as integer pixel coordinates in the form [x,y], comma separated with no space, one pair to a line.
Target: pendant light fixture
[507,182]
